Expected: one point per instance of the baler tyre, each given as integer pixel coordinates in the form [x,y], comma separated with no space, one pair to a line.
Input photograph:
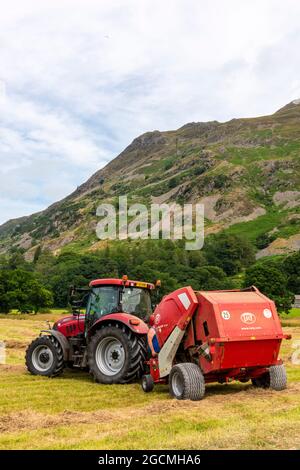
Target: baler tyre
[116,355]
[278,379]
[186,382]
[274,378]
[147,383]
[44,356]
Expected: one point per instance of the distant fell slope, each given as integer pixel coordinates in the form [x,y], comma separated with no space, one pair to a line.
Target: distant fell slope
[245,171]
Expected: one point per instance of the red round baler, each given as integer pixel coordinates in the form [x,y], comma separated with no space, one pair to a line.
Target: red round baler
[215,336]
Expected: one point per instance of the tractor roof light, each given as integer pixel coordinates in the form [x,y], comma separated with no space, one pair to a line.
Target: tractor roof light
[124,278]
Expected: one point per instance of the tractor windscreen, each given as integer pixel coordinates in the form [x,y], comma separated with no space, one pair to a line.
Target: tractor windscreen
[137,302]
[111,299]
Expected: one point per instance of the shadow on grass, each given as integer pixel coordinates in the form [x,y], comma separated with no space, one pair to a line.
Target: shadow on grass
[77,374]
[227,389]
[211,389]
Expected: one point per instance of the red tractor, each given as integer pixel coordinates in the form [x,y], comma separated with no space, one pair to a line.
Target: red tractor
[109,339]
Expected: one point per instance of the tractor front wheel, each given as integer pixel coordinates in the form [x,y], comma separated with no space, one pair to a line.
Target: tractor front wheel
[44,356]
[116,355]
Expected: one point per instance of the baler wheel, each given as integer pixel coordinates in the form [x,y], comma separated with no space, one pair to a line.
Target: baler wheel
[147,383]
[278,379]
[116,355]
[186,382]
[274,378]
[44,356]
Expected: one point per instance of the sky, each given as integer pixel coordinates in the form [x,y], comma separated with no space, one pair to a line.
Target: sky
[80,79]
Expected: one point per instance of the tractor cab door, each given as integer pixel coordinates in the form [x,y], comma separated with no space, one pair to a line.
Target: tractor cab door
[103,300]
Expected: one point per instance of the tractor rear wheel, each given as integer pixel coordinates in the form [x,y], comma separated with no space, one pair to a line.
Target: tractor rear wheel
[186,382]
[44,356]
[116,355]
[274,378]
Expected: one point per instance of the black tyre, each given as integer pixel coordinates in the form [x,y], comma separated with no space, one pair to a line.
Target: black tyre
[186,382]
[44,356]
[147,383]
[278,379]
[116,355]
[274,378]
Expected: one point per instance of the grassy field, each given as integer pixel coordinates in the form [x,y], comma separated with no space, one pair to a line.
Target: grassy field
[73,412]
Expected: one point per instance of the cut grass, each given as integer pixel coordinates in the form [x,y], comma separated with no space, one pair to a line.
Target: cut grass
[73,412]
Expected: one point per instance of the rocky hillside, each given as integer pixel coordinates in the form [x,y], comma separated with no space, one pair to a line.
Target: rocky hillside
[245,171]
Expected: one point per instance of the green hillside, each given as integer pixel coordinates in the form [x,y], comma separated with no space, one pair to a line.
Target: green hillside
[245,171]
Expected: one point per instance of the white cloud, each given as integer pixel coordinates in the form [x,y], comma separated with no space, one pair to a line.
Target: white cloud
[83,78]
[10,207]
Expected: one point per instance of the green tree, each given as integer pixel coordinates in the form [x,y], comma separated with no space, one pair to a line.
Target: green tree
[264,239]
[74,269]
[291,267]
[38,297]
[37,254]
[229,252]
[16,260]
[22,290]
[272,282]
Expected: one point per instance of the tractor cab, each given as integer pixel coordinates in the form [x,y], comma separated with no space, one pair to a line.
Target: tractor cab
[109,296]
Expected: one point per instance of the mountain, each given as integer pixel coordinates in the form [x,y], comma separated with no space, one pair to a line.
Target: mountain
[245,171]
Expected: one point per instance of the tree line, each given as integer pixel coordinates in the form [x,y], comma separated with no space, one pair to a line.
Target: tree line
[226,262]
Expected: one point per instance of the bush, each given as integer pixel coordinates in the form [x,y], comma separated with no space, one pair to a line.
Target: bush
[173,182]
[263,240]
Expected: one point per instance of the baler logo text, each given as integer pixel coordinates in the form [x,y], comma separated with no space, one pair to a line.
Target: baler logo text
[248,318]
